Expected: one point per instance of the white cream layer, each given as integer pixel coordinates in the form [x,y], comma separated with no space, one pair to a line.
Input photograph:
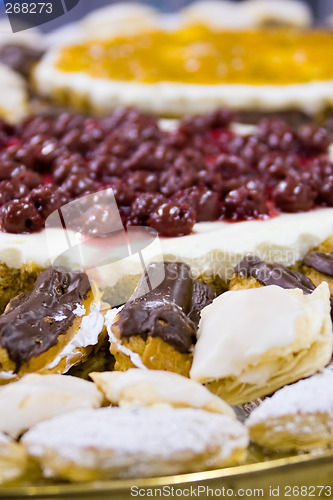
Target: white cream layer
[214,248]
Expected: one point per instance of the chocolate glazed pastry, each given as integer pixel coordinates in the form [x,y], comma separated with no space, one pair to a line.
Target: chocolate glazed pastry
[263,273]
[161,325]
[37,325]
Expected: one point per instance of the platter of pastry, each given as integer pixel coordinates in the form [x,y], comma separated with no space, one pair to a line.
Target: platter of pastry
[166,253]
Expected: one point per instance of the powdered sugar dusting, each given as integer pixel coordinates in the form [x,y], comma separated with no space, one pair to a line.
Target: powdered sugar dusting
[308,396]
[140,439]
[79,310]
[59,317]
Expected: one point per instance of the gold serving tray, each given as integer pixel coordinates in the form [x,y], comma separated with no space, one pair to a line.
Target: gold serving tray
[278,478]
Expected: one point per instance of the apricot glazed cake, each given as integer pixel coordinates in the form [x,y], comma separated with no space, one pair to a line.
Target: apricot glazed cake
[193,63]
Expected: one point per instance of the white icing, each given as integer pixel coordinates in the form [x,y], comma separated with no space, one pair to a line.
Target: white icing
[139,441]
[244,325]
[134,357]
[154,387]
[310,396]
[87,335]
[59,317]
[35,398]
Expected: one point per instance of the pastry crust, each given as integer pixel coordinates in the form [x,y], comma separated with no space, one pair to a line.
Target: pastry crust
[154,388]
[123,443]
[15,281]
[35,398]
[13,459]
[297,417]
[154,354]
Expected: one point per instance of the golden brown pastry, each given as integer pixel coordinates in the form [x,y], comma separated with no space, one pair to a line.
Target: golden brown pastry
[110,443]
[156,387]
[297,417]
[13,459]
[157,327]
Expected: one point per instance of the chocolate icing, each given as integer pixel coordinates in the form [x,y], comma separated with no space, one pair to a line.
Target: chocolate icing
[320,261]
[29,326]
[273,274]
[170,310]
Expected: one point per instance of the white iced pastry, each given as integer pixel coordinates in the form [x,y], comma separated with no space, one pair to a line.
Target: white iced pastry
[297,417]
[124,443]
[156,387]
[35,398]
[252,342]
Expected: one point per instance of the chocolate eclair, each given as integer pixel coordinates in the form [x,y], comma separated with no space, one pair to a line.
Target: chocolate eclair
[263,273]
[51,328]
[159,323]
[252,272]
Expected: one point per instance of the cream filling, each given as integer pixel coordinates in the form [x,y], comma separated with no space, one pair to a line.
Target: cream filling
[87,335]
[103,95]
[133,356]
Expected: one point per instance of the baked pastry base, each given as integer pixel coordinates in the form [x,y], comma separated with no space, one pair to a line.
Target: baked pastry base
[154,353]
[15,281]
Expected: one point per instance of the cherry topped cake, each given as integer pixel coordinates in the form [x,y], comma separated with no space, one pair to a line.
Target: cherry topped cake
[211,192]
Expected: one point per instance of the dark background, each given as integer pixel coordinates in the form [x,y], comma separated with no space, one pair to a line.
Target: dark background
[320,9]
